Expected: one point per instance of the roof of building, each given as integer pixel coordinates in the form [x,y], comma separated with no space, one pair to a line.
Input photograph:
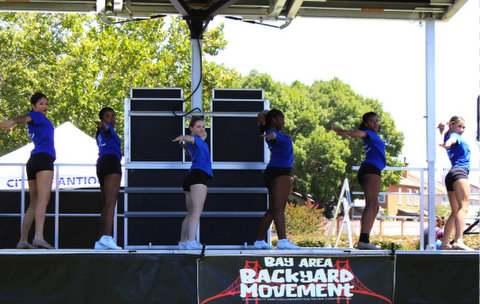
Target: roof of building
[414,181]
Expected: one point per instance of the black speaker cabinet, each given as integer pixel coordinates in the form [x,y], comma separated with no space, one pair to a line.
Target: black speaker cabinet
[154,198]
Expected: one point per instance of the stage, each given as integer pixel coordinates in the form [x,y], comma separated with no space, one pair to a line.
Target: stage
[309,275]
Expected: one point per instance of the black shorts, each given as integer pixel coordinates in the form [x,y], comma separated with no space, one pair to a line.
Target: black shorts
[39,162]
[196,176]
[455,174]
[108,164]
[367,168]
[272,173]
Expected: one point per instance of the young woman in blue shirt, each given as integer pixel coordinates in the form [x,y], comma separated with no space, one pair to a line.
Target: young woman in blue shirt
[109,173]
[277,178]
[39,169]
[456,182]
[195,184]
[369,174]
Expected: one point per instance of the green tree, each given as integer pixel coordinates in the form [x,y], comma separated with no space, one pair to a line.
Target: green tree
[443,210]
[345,109]
[323,159]
[83,64]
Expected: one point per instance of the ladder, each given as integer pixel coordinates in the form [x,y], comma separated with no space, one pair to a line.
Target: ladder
[345,201]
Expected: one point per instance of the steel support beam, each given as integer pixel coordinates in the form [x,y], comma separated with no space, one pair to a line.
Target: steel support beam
[196,45]
[431,119]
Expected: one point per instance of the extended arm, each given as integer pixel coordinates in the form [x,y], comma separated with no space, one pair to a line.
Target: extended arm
[8,124]
[184,138]
[270,136]
[452,140]
[101,126]
[352,133]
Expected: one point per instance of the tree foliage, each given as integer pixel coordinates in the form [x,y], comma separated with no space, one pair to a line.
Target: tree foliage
[83,64]
[443,210]
[323,159]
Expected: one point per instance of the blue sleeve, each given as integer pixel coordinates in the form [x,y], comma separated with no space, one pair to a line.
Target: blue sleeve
[268,141]
[278,137]
[284,139]
[34,116]
[456,136]
[369,134]
[192,147]
[110,129]
[196,138]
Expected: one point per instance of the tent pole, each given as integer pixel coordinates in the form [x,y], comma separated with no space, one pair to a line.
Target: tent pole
[431,144]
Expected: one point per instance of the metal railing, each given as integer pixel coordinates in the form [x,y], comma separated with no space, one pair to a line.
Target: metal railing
[422,186]
[56,189]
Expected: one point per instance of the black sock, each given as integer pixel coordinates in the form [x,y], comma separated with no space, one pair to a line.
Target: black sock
[364,237]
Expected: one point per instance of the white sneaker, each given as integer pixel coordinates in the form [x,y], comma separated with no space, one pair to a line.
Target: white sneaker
[367,246]
[262,245]
[99,246]
[193,245]
[459,245]
[286,244]
[108,241]
[182,246]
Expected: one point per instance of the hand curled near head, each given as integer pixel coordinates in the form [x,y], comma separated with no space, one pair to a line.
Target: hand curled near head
[261,117]
[441,127]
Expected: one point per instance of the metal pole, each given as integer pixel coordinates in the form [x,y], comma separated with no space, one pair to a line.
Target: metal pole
[115,216]
[57,204]
[22,199]
[196,45]
[422,208]
[126,110]
[347,216]
[431,144]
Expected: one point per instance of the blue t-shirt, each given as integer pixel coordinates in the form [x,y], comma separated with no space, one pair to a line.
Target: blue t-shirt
[374,150]
[108,143]
[41,131]
[281,150]
[459,153]
[200,156]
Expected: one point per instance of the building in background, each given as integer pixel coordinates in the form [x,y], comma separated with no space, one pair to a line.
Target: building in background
[407,202]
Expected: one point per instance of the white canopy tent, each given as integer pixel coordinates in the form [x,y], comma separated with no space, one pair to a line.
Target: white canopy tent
[77,155]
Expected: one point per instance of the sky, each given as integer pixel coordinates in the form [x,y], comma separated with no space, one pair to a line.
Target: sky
[381,59]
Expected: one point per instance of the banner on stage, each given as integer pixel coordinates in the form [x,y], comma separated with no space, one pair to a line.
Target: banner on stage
[299,279]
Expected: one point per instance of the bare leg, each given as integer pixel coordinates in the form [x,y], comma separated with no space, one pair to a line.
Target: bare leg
[265,221]
[195,199]
[280,189]
[109,192]
[30,213]
[461,188]
[371,188]
[184,232]
[450,225]
[44,187]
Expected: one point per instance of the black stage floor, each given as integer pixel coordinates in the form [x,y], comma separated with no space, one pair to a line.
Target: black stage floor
[309,275]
